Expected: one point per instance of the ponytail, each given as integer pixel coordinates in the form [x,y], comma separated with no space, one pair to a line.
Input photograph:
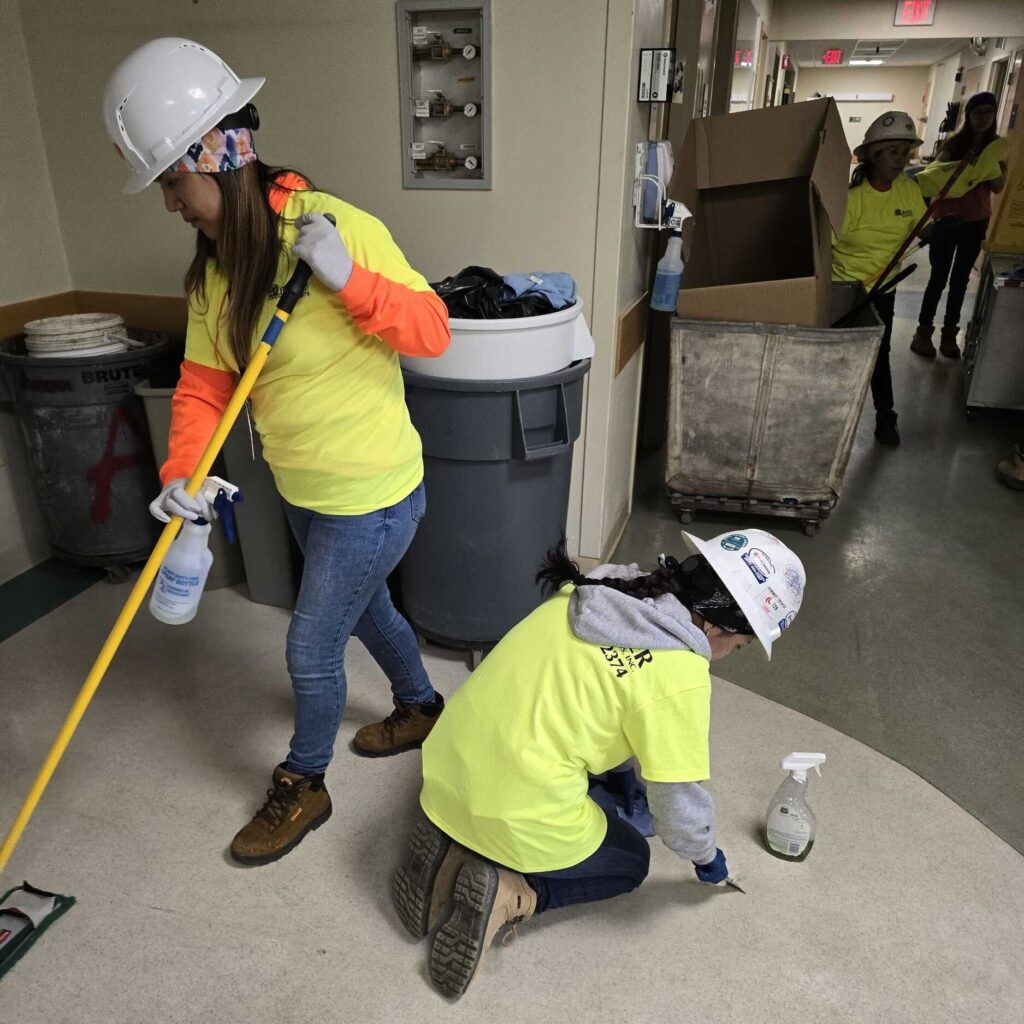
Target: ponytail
[697,586]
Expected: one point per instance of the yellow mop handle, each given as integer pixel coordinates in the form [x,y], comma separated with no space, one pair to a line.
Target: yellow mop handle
[132,605]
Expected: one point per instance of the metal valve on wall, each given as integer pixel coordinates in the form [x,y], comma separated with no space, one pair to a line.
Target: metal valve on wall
[444,52]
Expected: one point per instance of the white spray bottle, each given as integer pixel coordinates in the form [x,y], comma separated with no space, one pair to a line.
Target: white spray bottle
[790,824]
[180,582]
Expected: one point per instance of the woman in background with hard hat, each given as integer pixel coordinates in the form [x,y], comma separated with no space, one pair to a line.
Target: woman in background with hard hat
[882,208]
[952,252]
[329,405]
[613,666]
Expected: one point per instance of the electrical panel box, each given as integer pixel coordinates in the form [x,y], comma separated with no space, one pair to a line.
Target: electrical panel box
[444,70]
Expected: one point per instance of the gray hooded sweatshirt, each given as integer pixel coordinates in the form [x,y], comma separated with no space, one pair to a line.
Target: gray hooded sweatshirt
[683,812]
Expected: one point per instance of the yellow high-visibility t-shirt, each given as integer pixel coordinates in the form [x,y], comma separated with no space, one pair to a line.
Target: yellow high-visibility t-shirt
[984,168]
[505,767]
[330,403]
[875,226]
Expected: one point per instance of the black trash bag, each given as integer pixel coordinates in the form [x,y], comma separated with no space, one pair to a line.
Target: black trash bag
[475,293]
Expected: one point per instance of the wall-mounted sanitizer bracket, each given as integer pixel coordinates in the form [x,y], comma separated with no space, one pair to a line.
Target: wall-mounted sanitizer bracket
[444,74]
[652,171]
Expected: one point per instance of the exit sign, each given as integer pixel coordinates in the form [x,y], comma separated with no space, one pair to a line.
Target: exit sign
[832,57]
[915,12]
[743,59]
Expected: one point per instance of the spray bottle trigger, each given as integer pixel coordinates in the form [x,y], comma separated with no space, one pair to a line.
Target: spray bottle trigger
[225,506]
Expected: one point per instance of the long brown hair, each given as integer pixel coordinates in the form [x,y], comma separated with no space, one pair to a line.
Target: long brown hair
[248,252]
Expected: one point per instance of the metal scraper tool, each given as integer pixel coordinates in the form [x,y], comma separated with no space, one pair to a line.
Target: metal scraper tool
[736,885]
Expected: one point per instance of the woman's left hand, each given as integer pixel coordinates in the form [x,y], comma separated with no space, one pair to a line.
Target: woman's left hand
[320,245]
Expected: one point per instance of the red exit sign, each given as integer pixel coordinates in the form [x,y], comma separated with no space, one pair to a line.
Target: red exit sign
[915,12]
[832,57]
[743,59]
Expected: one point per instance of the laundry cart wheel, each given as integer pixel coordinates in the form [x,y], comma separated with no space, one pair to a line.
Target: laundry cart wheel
[686,516]
[810,527]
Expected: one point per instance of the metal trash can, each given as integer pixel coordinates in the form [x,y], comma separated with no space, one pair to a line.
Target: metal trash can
[88,448]
[497,466]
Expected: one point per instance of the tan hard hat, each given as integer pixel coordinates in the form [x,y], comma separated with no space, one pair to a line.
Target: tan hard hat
[892,126]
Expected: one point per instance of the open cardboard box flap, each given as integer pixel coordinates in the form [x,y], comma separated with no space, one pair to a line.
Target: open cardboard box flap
[797,140]
[765,187]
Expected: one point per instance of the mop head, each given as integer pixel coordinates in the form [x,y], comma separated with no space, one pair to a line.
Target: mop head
[25,913]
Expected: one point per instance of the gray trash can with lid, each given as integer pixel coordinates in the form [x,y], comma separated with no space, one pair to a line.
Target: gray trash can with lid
[497,466]
[88,448]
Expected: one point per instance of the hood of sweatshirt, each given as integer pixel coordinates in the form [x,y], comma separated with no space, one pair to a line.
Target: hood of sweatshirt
[600,615]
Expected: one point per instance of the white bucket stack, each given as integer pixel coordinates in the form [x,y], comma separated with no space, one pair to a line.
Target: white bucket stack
[80,335]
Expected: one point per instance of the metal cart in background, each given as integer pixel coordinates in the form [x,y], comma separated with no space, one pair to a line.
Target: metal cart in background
[762,417]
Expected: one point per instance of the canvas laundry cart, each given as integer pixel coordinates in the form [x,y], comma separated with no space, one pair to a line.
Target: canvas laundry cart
[762,416]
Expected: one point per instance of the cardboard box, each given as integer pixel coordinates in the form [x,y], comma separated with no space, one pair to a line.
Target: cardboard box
[765,188]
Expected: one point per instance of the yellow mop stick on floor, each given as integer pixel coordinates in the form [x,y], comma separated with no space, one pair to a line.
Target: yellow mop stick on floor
[292,291]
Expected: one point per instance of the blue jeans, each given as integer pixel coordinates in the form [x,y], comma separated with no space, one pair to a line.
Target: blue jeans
[618,865]
[344,592]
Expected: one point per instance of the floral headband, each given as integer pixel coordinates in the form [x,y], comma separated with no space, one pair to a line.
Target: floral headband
[220,149]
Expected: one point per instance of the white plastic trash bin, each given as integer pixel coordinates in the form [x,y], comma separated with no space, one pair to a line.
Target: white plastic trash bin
[528,346]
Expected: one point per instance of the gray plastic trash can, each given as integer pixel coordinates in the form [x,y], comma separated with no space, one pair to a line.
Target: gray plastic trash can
[88,448]
[497,467]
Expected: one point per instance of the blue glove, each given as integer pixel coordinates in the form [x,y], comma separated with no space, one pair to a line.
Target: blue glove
[714,871]
[628,786]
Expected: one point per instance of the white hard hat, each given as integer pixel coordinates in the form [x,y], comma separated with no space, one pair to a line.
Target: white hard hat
[766,579]
[164,97]
[892,126]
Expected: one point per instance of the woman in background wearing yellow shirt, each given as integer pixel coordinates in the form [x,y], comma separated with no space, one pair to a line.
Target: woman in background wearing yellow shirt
[613,666]
[883,206]
[329,405]
[952,252]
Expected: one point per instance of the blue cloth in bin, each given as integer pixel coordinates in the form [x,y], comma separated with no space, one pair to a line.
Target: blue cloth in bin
[558,288]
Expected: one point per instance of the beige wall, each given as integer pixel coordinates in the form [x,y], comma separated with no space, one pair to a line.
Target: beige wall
[622,258]
[873,19]
[564,119]
[32,263]
[908,86]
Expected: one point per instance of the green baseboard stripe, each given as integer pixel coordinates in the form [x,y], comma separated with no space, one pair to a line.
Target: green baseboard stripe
[39,591]
[62,904]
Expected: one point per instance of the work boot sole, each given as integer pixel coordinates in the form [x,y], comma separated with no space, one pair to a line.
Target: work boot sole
[387,751]
[413,885]
[950,353]
[928,353]
[1011,481]
[269,858]
[460,944]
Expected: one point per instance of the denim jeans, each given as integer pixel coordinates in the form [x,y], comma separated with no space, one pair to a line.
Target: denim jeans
[344,592]
[951,255]
[618,865]
[881,376]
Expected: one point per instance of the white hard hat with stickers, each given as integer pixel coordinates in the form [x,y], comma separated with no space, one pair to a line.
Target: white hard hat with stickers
[892,126]
[164,97]
[765,578]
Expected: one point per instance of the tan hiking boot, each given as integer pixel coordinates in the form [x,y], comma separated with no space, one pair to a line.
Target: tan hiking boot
[486,899]
[922,343]
[947,342]
[404,729]
[296,804]
[1011,470]
[424,885]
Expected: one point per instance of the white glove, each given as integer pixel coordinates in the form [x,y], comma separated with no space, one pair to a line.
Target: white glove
[174,500]
[320,245]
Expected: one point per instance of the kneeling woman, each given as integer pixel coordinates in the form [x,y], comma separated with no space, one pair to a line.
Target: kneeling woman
[613,666]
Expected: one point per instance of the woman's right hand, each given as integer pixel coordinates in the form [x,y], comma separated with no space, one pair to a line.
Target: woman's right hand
[174,500]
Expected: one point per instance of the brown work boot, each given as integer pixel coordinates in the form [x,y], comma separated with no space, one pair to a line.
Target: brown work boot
[404,729]
[922,343]
[947,342]
[295,805]
[486,899]
[1011,470]
[425,884]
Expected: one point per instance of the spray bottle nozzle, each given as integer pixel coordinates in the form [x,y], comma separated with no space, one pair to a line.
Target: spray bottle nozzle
[798,764]
[223,497]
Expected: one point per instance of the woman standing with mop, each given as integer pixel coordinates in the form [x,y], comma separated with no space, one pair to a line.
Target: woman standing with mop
[329,406]
[882,208]
[953,252]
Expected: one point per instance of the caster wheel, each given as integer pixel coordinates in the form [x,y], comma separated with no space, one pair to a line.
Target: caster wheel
[475,657]
[685,516]
[810,528]
[119,574]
